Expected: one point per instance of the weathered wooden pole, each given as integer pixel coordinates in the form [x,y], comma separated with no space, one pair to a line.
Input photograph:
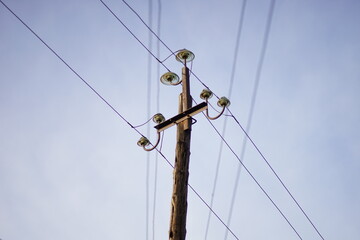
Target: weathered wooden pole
[182,155]
[181,168]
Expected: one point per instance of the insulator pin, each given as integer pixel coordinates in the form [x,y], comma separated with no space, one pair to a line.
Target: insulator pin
[223,102]
[206,94]
[143,142]
[158,118]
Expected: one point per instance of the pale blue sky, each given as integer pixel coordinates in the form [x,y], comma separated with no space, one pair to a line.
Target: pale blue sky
[70,167]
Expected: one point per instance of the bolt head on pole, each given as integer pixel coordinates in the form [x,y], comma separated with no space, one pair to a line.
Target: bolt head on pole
[185,56]
[170,78]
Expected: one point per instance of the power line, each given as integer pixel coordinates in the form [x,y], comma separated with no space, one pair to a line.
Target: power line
[68,66]
[140,125]
[147,179]
[252,105]
[128,29]
[237,44]
[149,28]
[252,176]
[172,53]
[236,50]
[157,36]
[277,176]
[158,56]
[157,110]
[201,198]
[102,98]
[109,105]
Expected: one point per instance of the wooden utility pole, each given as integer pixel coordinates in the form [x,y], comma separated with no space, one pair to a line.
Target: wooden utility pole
[181,170]
[182,156]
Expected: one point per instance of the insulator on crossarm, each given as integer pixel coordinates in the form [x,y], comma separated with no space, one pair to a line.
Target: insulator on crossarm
[143,142]
[206,94]
[223,102]
[158,118]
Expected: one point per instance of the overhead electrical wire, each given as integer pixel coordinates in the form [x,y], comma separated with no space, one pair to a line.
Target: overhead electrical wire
[158,56]
[68,66]
[252,105]
[149,28]
[157,110]
[236,50]
[140,125]
[277,176]
[202,199]
[122,23]
[224,114]
[148,107]
[111,107]
[206,87]
[172,53]
[251,175]
[107,103]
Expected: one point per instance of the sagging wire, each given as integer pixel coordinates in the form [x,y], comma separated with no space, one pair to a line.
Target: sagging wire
[137,126]
[254,179]
[226,115]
